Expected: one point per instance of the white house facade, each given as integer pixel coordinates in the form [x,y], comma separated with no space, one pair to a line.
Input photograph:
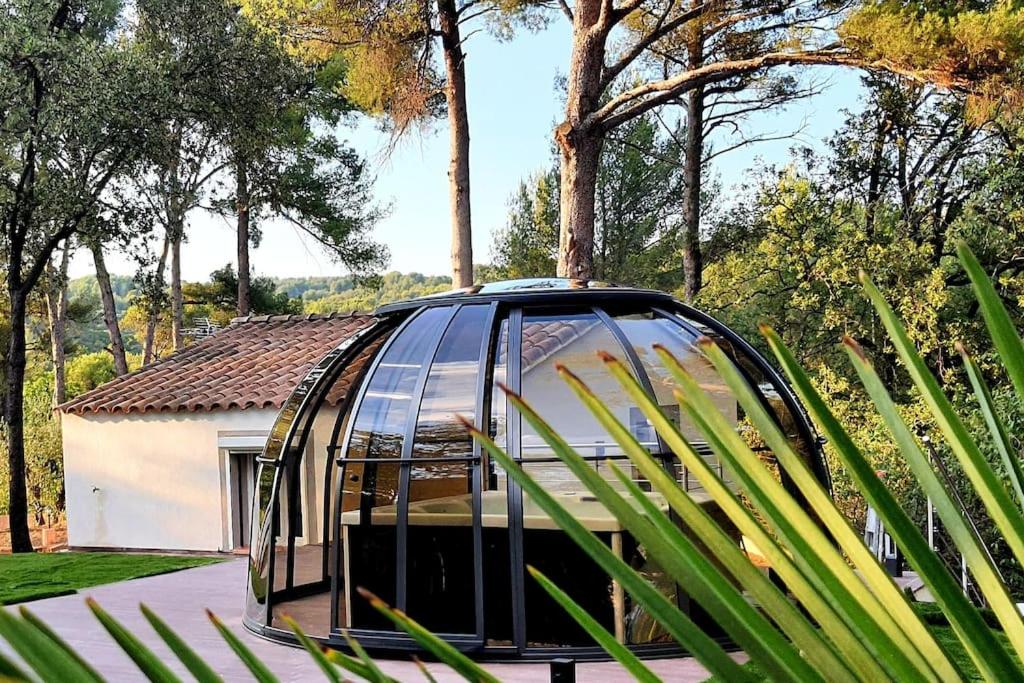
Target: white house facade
[164,458]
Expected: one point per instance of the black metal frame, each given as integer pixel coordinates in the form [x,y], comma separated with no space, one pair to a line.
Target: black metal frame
[312,385]
[502,307]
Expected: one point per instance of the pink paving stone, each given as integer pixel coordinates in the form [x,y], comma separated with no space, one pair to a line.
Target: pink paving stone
[180,598]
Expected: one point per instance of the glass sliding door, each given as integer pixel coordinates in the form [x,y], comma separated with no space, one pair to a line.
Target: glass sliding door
[371,474]
[443,533]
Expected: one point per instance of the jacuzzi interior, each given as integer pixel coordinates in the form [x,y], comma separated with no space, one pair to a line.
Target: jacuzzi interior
[369,480]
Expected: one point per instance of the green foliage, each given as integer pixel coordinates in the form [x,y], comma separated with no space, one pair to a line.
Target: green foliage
[394,286]
[218,298]
[902,182]
[974,46]
[527,246]
[280,139]
[87,371]
[44,455]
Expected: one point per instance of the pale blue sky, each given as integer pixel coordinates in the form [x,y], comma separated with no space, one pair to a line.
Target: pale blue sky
[513,106]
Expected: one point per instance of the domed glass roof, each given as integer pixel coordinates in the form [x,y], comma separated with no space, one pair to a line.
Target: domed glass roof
[369,479]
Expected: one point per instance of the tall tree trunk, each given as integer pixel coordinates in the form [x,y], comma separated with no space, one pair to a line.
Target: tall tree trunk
[176,202]
[458,133]
[693,167]
[580,143]
[177,300]
[154,310]
[57,312]
[14,410]
[875,176]
[242,210]
[109,310]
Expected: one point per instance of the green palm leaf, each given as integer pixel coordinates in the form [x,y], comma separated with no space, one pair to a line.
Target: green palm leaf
[257,668]
[810,548]
[982,646]
[1003,511]
[681,627]
[723,548]
[622,654]
[47,659]
[40,626]
[917,636]
[1004,335]
[372,672]
[193,662]
[681,559]
[150,665]
[1000,435]
[850,644]
[330,671]
[439,647]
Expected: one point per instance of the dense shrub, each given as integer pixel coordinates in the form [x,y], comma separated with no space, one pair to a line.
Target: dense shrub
[44,459]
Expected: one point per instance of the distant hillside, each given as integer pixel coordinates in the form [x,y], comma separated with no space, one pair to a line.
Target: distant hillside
[317,294]
[339,293]
[329,295]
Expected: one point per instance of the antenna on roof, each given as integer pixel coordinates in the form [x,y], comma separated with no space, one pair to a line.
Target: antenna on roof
[202,328]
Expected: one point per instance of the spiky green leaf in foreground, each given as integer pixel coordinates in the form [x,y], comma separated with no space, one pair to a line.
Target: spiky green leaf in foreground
[622,654]
[678,625]
[256,667]
[977,638]
[997,429]
[440,648]
[893,600]
[1004,512]
[150,665]
[720,546]
[680,558]
[810,548]
[850,645]
[193,662]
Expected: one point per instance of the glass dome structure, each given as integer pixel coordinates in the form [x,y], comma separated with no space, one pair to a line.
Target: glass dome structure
[369,480]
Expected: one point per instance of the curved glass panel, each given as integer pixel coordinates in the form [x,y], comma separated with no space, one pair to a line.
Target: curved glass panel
[441,543]
[302,576]
[283,518]
[643,331]
[573,341]
[794,425]
[497,534]
[369,508]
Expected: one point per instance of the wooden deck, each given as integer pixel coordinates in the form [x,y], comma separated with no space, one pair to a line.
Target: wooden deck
[180,599]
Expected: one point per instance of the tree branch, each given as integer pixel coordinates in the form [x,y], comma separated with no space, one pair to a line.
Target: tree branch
[661,29]
[642,98]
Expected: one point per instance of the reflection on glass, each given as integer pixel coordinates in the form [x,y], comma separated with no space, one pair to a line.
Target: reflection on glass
[573,341]
[496,560]
[645,330]
[451,389]
[440,585]
[368,516]
[259,551]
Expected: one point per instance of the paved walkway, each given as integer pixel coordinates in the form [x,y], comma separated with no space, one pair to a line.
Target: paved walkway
[180,599]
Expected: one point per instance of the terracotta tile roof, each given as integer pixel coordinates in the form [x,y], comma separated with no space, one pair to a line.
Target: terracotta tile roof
[541,340]
[255,362]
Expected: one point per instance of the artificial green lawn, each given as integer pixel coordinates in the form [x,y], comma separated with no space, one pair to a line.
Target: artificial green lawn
[43,575]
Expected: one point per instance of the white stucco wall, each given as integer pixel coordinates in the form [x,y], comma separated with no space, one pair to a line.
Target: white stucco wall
[159,480]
